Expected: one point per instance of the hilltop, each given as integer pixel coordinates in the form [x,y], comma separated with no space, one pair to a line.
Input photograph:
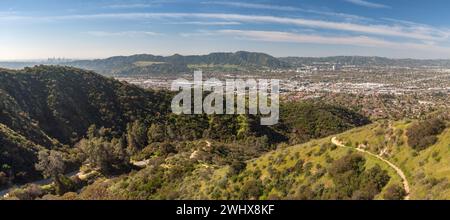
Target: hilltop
[63,102]
[50,107]
[145,64]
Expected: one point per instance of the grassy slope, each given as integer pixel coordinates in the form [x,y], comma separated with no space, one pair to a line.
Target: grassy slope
[281,160]
[428,171]
[275,171]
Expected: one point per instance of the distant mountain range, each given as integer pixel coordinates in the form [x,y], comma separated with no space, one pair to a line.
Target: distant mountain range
[144,64]
[242,61]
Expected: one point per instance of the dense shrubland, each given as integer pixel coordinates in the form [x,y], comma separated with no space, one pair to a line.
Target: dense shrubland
[343,177]
[77,119]
[424,133]
[426,167]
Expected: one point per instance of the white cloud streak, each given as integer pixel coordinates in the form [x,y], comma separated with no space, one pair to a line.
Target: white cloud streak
[368,4]
[286,8]
[364,41]
[130,6]
[253,5]
[122,34]
[207,23]
[150,4]
[397,30]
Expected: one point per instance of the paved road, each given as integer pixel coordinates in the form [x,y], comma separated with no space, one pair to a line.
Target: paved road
[402,175]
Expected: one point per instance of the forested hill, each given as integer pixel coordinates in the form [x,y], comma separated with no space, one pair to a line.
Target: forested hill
[176,64]
[49,107]
[62,102]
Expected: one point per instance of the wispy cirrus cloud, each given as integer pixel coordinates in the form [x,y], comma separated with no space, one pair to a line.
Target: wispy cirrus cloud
[368,4]
[207,23]
[279,36]
[148,4]
[285,8]
[130,6]
[397,30]
[200,33]
[363,41]
[411,32]
[336,14]
[253,5]
[122,33]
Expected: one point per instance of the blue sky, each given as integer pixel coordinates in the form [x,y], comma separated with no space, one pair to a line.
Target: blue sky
[36,29]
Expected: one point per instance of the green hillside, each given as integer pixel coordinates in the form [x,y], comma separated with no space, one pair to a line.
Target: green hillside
[146,64]
[63,102]
[428,170]
[53,106]
[314,170]
[17,156]
[298,172]
[63,108]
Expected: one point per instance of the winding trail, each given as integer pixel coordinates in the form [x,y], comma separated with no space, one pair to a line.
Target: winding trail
[144,163]
[208,143]
[141,163]
[400,173]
